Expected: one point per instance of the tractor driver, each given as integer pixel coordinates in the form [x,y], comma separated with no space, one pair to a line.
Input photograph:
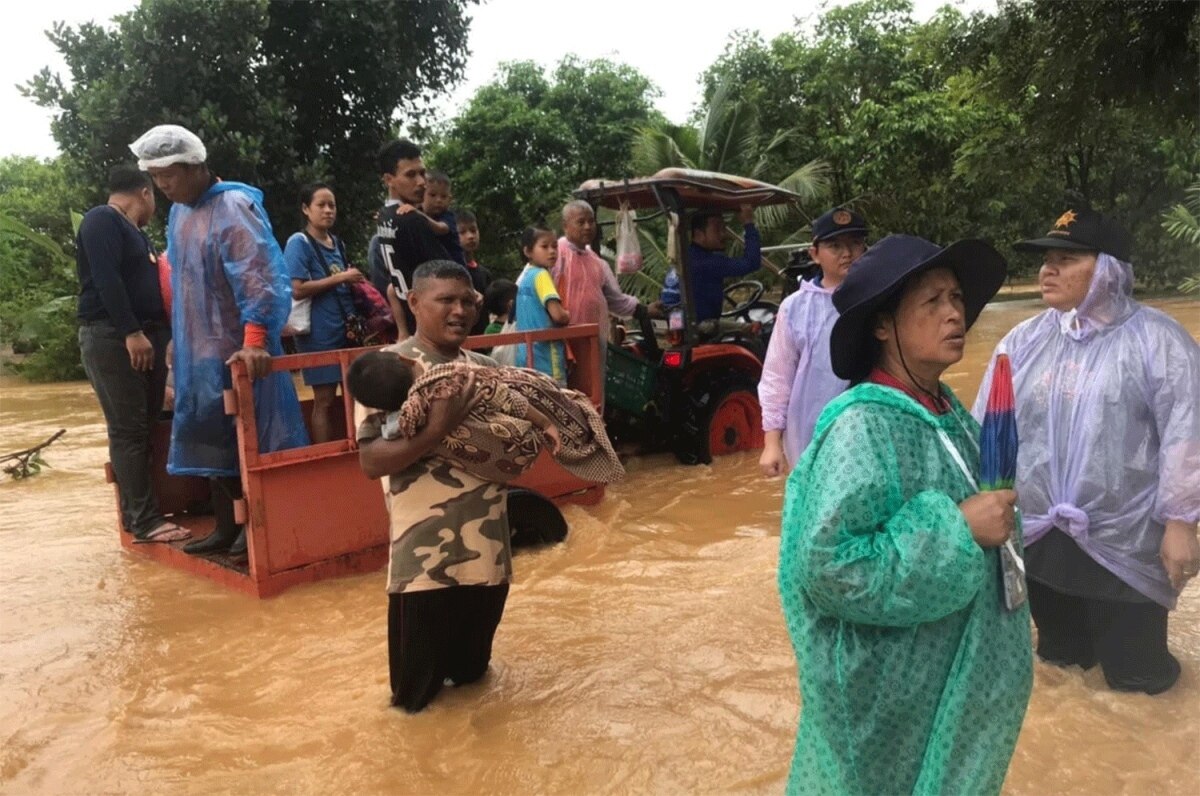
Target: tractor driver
[708,265]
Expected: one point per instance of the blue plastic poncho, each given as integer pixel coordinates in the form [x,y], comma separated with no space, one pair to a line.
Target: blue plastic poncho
[913,676]
[1106,399]
[227,270]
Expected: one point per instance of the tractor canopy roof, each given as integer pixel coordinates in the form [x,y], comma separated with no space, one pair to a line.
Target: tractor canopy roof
[698,190]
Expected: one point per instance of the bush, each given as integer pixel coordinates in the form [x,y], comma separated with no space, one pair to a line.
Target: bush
[51,332]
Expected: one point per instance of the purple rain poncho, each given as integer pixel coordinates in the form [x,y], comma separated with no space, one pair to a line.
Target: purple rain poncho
[226,271]
[797,378]
[1106,399]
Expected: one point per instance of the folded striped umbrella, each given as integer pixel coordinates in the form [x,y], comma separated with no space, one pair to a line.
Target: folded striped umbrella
[998,440]
[998,469]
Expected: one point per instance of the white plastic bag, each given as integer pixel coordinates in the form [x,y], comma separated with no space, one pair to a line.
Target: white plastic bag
[673,238]
[300,318]
[506,355]
[629,250]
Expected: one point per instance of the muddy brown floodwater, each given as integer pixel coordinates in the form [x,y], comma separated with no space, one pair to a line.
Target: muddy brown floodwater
[645,654]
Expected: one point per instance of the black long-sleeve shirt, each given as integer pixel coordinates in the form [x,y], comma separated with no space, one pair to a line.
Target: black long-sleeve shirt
[118,274]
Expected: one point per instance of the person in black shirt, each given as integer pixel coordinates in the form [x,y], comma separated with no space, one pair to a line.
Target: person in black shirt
[405,239]
[123,336]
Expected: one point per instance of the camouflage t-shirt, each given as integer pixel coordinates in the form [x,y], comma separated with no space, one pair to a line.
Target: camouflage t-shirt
[448,528]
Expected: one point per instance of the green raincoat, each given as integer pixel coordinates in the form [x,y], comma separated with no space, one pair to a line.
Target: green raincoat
[913,676]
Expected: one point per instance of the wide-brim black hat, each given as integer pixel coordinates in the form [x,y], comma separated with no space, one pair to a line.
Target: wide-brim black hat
[880,274]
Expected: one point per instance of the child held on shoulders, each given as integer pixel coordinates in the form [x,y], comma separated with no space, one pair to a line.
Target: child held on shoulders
[538,305]
[435,209]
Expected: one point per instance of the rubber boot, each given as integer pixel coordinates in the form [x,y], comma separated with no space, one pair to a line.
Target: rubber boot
[238,548]
[226,531]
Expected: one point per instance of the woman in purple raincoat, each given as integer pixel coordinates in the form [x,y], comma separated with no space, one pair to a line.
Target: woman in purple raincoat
[1108,472]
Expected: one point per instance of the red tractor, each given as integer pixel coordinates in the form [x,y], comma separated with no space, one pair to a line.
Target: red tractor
[692,387]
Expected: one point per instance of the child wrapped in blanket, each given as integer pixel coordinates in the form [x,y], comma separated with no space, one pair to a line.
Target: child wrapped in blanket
[515,412]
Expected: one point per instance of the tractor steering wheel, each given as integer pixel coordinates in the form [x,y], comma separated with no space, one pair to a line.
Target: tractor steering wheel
[739,307]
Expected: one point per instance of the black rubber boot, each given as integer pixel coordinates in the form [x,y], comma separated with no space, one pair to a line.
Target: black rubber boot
[238,548]
[227,531]
[218,541]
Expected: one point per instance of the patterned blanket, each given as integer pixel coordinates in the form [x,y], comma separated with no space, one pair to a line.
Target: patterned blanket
[495,442]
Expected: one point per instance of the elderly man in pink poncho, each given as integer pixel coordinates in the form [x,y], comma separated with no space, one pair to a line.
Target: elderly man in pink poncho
[585,281]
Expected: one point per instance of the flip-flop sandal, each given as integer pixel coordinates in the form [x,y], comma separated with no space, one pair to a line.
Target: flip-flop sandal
[168,532]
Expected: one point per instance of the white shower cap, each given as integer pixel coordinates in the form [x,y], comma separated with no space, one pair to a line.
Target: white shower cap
[166,144]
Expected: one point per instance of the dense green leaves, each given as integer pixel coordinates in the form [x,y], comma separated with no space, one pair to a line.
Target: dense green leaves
[281,91]
[37,300]
[984,126]
[957,126]
[527,139]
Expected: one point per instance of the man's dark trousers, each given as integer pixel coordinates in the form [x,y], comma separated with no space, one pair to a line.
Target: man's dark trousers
[131,401]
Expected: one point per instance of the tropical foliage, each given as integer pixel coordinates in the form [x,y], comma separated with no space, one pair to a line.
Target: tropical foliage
[980,125]
[526,139]
[281,91]
[1182,222]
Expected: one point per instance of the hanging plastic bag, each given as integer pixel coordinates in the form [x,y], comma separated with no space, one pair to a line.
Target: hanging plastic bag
[299,320]
[629,249]
[673,238]
[506,355]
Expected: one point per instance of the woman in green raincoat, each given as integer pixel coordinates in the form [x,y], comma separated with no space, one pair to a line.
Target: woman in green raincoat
[914,676]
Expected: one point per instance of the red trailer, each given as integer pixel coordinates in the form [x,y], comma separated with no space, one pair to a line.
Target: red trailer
[310,513]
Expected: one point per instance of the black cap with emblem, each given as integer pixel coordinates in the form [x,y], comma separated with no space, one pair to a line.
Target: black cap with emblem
[838,221]
[1083,229]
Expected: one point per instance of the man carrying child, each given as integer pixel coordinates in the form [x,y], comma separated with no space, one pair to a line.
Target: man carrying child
[451,561]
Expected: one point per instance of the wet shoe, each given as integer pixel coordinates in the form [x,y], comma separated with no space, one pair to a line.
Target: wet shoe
[216,542]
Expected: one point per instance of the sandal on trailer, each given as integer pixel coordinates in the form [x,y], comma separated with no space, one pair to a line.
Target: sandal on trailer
[167,532]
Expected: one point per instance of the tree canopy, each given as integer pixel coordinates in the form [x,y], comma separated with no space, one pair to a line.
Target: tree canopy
[979,125]
[281,91]
[983,126]
[526,139]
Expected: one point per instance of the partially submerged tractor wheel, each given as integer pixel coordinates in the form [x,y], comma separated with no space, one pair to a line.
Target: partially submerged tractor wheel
[534,520]
[721,416]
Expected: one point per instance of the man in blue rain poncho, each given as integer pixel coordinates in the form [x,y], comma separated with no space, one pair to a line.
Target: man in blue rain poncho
[1109,466]
[231,298]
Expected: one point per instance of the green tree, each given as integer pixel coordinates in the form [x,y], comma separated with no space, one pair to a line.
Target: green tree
[1182,222]
[526,139]
[1103,99]
[728,139]
[864,94]
[43,324]
[37,200]
[281,91]
[978,126]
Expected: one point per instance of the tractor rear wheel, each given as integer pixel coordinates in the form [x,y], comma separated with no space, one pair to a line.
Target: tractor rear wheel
[721,416]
